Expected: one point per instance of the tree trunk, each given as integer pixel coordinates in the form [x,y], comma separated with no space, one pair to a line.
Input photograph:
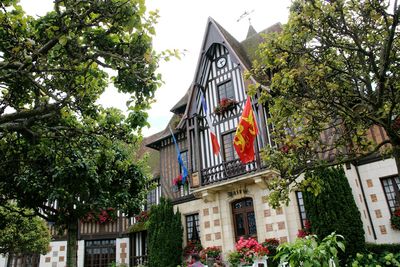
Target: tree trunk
[72,243]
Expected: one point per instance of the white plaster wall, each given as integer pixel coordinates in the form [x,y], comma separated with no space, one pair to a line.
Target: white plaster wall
[81,253]
[264,215]
[120,250]
[360,201]
[3,261]
[292,217]
[57,256]
[374,171]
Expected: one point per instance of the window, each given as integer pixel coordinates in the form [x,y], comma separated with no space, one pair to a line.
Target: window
[23,260]
[225,90]
[185,160]
[138,248]
[302,210]
[153,196]
[192,227]
[391,187]
[244,218]
[228,149]
[99,253]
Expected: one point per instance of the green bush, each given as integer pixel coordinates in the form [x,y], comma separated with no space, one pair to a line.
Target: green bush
[375,260]
[165,235]
[382,248]
[334,210]
[308,252]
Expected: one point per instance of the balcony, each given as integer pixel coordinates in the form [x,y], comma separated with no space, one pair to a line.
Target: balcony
[232,174]
[93,230]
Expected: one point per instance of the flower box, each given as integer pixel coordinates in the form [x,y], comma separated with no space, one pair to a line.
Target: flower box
[224,105]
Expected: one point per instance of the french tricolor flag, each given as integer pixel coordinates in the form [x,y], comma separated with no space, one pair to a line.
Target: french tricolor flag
[214,140]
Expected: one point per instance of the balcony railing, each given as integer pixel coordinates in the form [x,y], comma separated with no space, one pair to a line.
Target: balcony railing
[229,169]
[93,230]
[139,260]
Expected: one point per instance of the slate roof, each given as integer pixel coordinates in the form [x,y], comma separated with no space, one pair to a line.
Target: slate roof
[250,44]
[182,102]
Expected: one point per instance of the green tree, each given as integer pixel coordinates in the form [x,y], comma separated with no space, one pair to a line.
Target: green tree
[332,72]
[62,154]
[334,210]
[22,232]
[165,235]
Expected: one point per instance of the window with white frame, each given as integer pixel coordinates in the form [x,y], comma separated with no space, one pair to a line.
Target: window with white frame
[192,227]
[302,209]
[391,187]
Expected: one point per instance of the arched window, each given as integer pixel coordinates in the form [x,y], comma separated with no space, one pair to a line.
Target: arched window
[244,218]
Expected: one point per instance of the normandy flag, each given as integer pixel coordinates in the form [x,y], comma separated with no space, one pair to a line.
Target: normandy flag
[245,134]
[214,140]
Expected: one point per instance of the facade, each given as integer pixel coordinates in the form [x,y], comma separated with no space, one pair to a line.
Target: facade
[225,199]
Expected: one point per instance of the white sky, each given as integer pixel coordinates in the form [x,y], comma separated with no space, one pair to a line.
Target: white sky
[181,26]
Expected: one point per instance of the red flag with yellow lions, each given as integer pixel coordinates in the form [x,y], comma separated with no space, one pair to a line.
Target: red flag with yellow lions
[245,134]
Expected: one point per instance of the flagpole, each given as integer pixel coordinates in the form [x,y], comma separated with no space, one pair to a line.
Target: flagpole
[180,161]
[255,112]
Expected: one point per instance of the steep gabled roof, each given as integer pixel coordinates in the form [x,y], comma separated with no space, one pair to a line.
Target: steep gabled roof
[251,43]
[155,139]
[182,102]
[241,53]
[251,31]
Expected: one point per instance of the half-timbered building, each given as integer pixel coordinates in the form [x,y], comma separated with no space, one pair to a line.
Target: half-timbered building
[225,199]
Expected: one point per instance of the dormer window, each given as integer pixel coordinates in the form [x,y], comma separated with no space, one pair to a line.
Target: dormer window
[225,90]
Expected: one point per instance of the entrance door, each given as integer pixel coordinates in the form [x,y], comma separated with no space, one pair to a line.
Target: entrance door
[244,218]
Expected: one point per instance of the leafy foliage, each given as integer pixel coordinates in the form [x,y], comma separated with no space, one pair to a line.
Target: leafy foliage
[165,235]
[308,252]
[22,232]
[376,260]
[381,248]
[61,153]
[334,210]
[331,75]
[395,219]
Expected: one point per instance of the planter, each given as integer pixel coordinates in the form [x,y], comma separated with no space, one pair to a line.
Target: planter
[210,262]
[259,262]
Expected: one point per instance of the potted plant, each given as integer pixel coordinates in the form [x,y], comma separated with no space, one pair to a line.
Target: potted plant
[177,183]
[395,219]
[141,222]
[305,231]
[224,105]
[247,252]
[213,254]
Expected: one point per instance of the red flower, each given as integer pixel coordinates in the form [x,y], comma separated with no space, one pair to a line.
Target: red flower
[305,231]
[224,105]
[250,249]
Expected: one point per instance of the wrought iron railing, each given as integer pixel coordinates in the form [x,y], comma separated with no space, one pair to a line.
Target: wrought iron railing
[139,260]
[229,169]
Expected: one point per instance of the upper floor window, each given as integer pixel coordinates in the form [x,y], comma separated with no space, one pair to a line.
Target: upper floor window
[228,148]
[302,209]
[192,227]
[185,160]
[153,195]
[225,90]
[391,187]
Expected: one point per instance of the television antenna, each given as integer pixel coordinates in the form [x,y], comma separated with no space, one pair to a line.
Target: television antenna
[244,15]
